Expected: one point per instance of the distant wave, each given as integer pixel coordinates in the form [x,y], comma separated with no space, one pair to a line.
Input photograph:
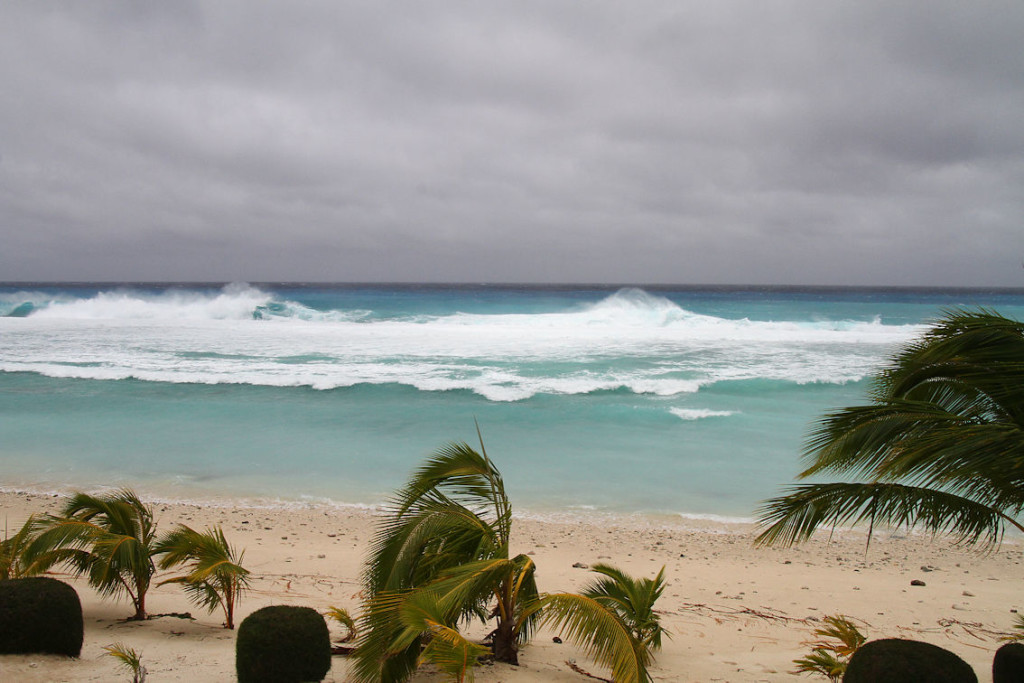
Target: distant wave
[699,413]
[629,341]
[233,302]
[627,311]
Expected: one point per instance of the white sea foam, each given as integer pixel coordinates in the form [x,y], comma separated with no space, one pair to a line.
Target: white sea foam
[699,413]
[234,302]
[630,341]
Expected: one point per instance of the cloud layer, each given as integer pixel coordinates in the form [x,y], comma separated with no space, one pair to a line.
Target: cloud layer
[724,142]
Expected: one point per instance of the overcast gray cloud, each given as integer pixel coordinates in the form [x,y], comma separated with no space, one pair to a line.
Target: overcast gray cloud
[652,141]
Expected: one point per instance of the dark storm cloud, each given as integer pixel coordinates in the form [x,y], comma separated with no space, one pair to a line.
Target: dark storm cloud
[795,142]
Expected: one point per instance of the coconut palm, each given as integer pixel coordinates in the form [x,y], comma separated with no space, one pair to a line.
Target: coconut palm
[128,658]
[441,559]
[215,578]
[940,446]
[626,636]
[450,524]
[632,600]
[13,563]
[111,539]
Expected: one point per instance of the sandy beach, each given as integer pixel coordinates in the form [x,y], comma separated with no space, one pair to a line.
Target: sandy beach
[736,613]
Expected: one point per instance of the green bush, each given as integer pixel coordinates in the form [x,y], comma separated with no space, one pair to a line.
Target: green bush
[1008,665]
[283,644]
[893,660]
[40,615]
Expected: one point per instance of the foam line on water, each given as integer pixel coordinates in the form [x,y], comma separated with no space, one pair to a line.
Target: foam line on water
[691,414]
[630,340]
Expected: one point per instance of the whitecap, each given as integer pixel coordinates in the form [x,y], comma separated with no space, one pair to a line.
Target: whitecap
[699,413]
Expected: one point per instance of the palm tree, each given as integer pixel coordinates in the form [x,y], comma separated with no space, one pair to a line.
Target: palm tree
[632,600]
[442,558]
[450,525]
[13,563]
[940,446]
[109,538]
[625,639]
[128,658]
[215,574]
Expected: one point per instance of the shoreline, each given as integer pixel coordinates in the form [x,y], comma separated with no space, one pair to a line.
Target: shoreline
[736,613]
[572,515]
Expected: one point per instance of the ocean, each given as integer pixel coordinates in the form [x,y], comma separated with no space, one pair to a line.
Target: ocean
[688,402]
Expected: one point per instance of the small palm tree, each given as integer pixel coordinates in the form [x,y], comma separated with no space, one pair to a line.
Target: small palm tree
[130,659]
[632,600]
[111,539]
[342,616]
[442,558]
[451,524]
[13,562]
[837,640]
[215,578]
[625,639]
[940,446]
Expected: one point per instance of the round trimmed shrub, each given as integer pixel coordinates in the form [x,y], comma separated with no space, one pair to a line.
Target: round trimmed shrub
[894,660]
[283,644]
[40,615]
[1008,665]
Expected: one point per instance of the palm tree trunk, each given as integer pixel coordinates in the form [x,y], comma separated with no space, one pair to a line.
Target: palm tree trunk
[140,608]
[229,607]
[503,643]
[140,600]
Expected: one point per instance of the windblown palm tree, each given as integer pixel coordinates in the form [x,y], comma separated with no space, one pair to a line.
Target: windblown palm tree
[941,446]
[13,563]
[632,600]
[215,578]
[441,559]
[108,538]
[448,529]
[626,639]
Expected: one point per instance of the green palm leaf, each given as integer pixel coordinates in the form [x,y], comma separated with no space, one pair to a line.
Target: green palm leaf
[941,446]
[603,636]
[108,538]
[13,559]
[441,558]
[215,576]
[795,517]
[446,648]
[129,658]
[632,600]
[342,616]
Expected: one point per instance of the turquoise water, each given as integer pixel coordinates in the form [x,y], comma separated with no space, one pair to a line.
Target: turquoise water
[660,400]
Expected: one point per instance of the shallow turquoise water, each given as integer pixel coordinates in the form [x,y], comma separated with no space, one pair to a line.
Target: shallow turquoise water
[668,401]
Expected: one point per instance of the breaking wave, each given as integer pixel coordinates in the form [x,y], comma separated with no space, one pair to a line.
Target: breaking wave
[629,341]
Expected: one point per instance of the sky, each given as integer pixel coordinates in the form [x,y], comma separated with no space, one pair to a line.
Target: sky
[650,141]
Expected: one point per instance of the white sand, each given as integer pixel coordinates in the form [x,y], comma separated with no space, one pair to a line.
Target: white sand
[736,613]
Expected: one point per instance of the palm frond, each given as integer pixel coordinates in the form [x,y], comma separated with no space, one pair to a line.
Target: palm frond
[384,650]
[796,516]
[342,616]
[837,640]
[14,561]
[1018,630]
[632,600]
[446,648]
[601,634]
[453,510]
[214,575]
[941,446]
[108,538]
[845,637]
[129,658]
[821,662]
